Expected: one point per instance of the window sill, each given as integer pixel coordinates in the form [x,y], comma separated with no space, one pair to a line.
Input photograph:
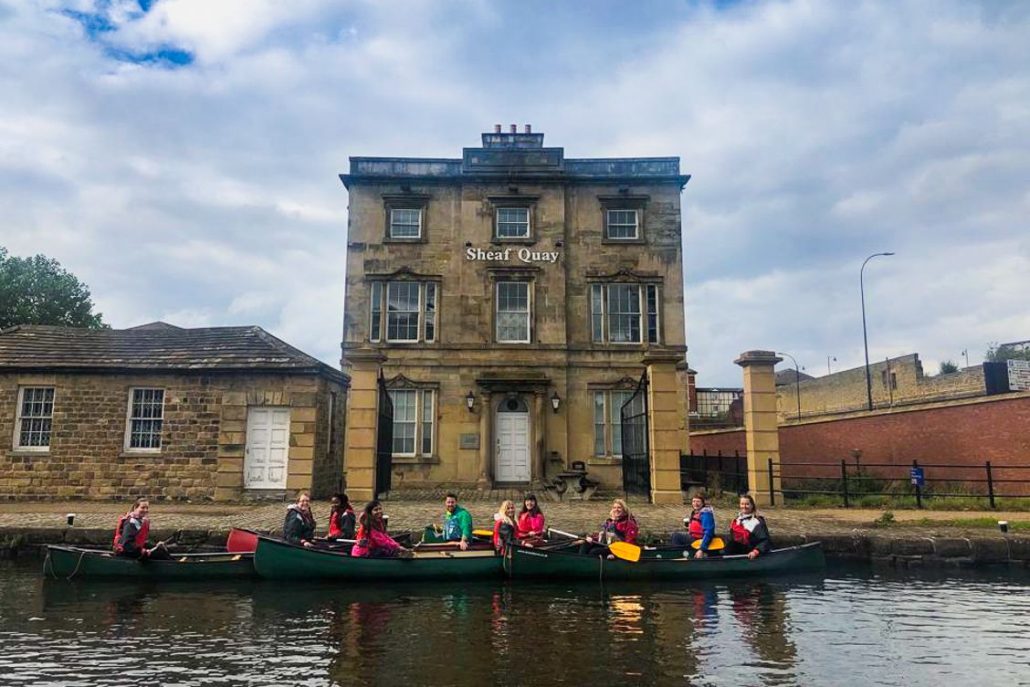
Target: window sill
[519,241]
[610,241]
[390,239]
[21,451]
[607,460]
[415,460]
[134,455]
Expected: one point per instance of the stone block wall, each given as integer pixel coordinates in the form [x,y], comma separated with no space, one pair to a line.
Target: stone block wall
[203,439]
[846,390]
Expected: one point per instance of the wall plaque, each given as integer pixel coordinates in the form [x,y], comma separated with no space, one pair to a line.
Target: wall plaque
[469,441]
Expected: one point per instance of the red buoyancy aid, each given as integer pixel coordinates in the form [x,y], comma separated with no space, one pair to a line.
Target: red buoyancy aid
[497,535]
[336,522]
[694,528]
[141,536]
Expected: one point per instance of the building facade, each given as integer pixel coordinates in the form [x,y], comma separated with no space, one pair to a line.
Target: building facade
[513,299]
[214,413]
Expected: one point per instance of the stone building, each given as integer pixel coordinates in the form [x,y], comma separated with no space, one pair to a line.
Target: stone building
[513,299]
[211,413]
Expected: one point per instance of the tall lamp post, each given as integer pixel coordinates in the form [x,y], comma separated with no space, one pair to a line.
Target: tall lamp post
[865,336]
[797,380]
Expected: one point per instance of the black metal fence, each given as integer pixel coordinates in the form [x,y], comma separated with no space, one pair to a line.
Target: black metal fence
[852,482]
[716,473]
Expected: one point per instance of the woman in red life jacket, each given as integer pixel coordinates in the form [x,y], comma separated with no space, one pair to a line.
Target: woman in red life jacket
[620,526]
[131,532]
[299,524]
[530,523]
[505,529]
[341,518]
[373,541]
[748,532]
[700,526]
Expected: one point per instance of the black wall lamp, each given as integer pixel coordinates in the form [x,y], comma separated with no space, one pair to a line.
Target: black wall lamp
[555,401]
[470,400]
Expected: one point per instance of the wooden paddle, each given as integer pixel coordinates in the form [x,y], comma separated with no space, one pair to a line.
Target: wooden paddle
[620,549]
[716,544]
[482,533]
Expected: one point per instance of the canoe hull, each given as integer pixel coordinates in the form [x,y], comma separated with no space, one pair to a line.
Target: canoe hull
[276,559]
[564,564]
[68,562]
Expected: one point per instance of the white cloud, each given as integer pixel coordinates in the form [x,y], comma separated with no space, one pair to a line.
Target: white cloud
[816,133]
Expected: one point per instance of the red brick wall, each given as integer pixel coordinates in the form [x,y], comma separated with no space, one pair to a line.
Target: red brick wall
[726,441]
[995,429]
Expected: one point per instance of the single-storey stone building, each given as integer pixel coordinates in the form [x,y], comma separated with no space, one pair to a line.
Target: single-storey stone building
[219,413]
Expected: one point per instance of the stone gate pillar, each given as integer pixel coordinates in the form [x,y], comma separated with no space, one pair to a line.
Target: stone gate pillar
[666,426]
[760,425]
[359,454]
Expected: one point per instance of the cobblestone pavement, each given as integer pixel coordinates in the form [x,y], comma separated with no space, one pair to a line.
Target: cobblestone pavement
[413,513]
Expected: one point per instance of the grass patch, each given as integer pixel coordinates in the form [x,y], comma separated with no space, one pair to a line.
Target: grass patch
[987,523]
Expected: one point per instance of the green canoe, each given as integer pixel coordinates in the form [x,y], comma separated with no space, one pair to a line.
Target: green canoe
[277,559]
[523,562]
[68,562]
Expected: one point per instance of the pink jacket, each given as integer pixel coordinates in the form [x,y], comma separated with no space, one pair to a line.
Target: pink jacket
[530,523]
[377,544]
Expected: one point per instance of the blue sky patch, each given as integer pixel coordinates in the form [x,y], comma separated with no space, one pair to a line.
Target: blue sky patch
[97,25]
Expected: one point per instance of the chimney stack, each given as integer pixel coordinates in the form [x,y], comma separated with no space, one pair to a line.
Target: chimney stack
[497,128]
[529,129]
[514,128]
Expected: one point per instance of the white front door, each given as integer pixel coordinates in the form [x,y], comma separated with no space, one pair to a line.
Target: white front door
[268,445]
[512,447]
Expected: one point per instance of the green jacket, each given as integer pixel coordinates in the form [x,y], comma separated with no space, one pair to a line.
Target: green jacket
[457,525]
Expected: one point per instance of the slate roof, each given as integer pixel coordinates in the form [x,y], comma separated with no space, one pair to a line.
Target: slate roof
[790,376]
[154,346]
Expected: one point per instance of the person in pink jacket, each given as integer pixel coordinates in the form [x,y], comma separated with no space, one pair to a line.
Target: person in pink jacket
[530,526]
[372,539]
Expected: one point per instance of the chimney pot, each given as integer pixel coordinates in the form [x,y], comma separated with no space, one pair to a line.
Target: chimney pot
[514,128]
[529,128]
[497,128]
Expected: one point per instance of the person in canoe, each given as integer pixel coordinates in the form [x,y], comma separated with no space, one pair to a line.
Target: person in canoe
[457,523]
[530,525]
[748,532]
[373,541]
[505,527]
[299,525]
[620,526]
[342,520]
[131,532]
[700,526]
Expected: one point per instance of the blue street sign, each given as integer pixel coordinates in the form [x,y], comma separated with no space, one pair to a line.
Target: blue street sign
[916,475]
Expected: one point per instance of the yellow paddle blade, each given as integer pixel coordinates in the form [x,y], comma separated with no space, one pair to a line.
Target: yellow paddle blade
[715,545]
[482,533]
[625,551]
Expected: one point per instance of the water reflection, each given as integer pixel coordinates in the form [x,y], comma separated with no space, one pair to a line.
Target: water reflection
[453,633]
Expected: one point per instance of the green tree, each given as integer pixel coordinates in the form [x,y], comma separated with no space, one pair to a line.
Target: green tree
[948,366]
[1010,351]
[38,290]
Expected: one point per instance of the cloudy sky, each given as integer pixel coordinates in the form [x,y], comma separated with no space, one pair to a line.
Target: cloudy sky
[181,156]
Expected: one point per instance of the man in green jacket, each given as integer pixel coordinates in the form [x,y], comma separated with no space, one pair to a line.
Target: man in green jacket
[457,523]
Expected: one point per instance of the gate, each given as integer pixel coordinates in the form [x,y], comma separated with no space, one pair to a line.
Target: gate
[384,440]
[636,456]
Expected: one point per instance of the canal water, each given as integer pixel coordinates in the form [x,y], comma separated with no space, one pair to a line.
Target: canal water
[851,626]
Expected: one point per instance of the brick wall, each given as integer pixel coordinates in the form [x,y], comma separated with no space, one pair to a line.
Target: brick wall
[203,438]
[994,428]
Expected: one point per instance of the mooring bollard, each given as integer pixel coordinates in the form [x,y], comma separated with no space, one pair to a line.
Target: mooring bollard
[1003,525]
[71,519]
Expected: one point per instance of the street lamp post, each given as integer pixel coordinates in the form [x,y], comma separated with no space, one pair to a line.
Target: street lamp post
[865,336]
[797,380]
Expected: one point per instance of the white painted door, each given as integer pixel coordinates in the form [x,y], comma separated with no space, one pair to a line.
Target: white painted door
[512,447]
[268,445]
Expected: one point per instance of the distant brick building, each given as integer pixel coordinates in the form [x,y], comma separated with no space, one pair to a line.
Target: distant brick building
[209,413]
